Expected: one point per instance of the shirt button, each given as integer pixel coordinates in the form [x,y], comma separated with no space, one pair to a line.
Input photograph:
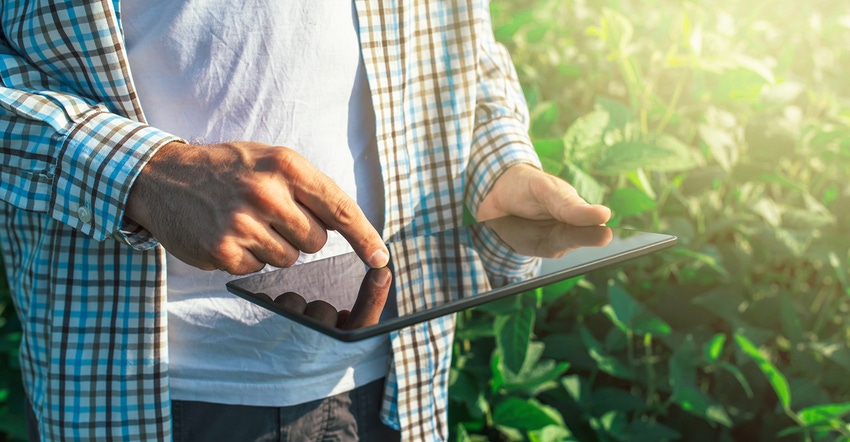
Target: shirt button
[84,214]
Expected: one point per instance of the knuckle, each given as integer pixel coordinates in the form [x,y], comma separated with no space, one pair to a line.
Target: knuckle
[315,241]
[345,212]
[290,259]
[224,256]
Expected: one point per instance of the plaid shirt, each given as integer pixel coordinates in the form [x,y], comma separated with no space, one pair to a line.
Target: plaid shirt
[90,286]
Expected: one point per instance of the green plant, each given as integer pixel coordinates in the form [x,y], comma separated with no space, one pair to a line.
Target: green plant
[725,124]
[12,417]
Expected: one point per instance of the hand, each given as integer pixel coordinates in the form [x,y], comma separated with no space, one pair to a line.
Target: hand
[366,311]
[238,206]
[528,192]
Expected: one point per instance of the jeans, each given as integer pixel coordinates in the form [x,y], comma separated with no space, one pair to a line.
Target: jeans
[349,416]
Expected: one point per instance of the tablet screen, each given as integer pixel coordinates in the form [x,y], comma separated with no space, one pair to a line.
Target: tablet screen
[439,274]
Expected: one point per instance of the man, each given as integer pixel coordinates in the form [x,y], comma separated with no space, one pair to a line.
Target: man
[94,196]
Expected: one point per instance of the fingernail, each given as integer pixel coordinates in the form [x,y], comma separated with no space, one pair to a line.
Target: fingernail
[381,277]
[379,259]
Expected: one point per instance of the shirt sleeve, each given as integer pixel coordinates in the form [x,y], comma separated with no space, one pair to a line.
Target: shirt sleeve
[67,156]
[500,136]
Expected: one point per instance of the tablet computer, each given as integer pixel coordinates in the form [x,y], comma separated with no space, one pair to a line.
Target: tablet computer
[440,273]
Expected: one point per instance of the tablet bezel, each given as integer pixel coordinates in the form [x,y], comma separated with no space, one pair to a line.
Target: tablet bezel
[655,242]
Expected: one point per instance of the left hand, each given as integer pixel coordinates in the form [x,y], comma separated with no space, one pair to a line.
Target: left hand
[528,192]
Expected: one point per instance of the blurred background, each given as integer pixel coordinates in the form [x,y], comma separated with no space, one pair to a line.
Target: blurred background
[724,123]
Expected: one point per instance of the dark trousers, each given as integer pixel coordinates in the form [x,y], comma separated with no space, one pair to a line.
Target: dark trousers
[350,416]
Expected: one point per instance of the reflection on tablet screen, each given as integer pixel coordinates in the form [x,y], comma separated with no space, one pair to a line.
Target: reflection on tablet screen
[439,274]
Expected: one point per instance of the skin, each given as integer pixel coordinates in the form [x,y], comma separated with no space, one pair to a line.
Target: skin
[237,206]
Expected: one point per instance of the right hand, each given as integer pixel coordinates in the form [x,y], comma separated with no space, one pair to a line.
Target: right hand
[238,206]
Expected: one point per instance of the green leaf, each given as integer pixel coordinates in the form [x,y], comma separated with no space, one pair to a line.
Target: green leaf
[539,376]
[821,413]
[550,433]
[649,431]
[543,118]
[776,379]
[585,184]
[682,157]
[738,375]
[525,415]
[604,362]
[696,403]
[683,365]
[619,115]
[722,145]
[559,289]
[616,31]
[630,314]
[628,201]
[626,156]
[513,337]
[576,388]
[605,399]
[623,305]
[714,348]
[583,138]
[550,148]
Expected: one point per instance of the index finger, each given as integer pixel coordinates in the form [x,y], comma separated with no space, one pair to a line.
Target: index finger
[339,212]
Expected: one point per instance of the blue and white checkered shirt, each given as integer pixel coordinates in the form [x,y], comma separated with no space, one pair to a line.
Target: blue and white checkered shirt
[89,286]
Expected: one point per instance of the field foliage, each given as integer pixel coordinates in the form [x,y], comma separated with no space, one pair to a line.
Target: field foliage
[726,124]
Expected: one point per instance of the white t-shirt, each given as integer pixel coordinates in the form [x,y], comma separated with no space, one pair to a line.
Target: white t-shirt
[283,73]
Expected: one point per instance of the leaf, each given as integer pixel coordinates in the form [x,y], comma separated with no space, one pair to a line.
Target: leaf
[549,148]
[604,362]
[695,402]
[649,431]
[581,141]
[682,157]
[714,348]
[541,375]
[774,377]
[626,156]
[795,242]
[623,305]
[721,144]
[616,31]
[559,289]
[769,210]
[525,415]
[632,315]
[585,184]
[739,376]
[605,399]
[755,66]
[619,115]
[628,202]
[543,119]
[513,337]
[614,424]
[550,433]
[790,319]
[822,413]
[683,365]
[576,388]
